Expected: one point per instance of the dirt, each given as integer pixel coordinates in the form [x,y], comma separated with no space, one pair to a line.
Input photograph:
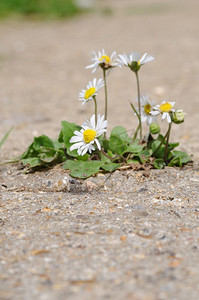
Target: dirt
[126,235]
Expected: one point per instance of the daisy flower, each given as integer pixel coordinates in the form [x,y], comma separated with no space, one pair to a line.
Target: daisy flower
[91,90]
[165,108]
[85,139]
[134,60]
[101,59]
[146,108]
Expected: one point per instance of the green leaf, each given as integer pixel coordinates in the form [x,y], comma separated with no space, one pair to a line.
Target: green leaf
[135,148]
[5,137]
[120,132]
[119,140]
[72,153]
[143,155]
[58,145]
[42,141]
[110,153]
[30,152]
[83,169]
[32,162]
[43,152]
[185,158]
[134,161]
[158,163]
[117,145]
[47,157]
[171,146]
[176,161]
[104,158]
[110,167]
[160,153]
[105,145]
[67,131]
[160,137]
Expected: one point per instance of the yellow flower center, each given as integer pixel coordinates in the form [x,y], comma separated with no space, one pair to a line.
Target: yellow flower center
[89,92]
[106,57]
[165,107]
[89,135]
[147,109]
[138,62]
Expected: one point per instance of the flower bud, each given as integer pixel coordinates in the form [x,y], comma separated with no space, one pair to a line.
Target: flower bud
[135,66]
[178,116]
[154,128]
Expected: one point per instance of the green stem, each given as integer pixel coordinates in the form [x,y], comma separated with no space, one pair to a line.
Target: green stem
[156,150]
[95,101]
[167,143]
[11,161]
[136,132]
[139,104]
[106,97]
[114,157]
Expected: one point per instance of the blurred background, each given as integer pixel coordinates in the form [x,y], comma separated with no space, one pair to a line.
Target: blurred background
[43,8]
[46,44]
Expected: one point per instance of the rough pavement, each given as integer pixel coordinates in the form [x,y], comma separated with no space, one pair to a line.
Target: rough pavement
[128,235]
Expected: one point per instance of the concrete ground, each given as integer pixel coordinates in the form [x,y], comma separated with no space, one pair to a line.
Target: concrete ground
[126,235]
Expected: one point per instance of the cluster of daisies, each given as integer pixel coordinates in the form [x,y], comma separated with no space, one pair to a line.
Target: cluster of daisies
[87,139]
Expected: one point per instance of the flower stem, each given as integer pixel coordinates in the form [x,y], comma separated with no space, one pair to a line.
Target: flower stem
[156,150]
[106,97]
[167,143]
[139,104]
[135,111]
[95,101]
[114,157]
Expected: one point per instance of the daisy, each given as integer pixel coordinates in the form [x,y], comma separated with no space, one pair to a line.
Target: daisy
[85,139]
[165,108]
[91,90]
[146,108]
[134,60]
[101,59]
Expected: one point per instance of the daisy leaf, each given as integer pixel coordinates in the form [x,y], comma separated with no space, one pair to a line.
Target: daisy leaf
[67,131]
[185,158]
[43,152]
[119,140]
[158,163]
[82,169]
[110,167]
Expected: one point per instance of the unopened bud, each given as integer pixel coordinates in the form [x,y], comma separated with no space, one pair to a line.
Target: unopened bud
[178,116]
[154,128]
[135,66]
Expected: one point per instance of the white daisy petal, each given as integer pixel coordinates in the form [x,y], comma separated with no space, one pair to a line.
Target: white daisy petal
[92,122]
[154,112]
[98,144]
[91,90]
[164,115]
[76,146]
[75,139]
[86,139]
[165,108]
[147,110]
[134,57]
[103,60]
[168,118]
